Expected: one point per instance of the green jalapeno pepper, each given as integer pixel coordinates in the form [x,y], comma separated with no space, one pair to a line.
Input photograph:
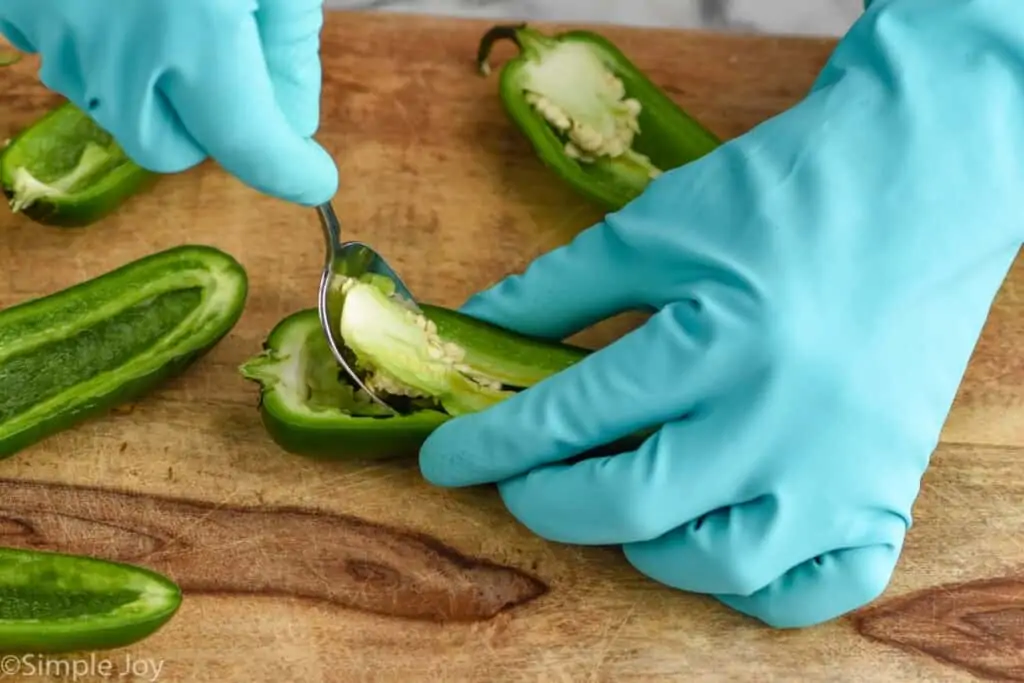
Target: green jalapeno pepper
[430,368]
[66,171]
[591,115]
[310,407]
[79,352]
[59,603]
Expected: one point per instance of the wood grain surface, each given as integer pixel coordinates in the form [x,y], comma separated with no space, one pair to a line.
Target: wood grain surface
[297,570]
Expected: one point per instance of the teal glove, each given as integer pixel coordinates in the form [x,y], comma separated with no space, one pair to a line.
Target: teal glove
[176,81]
[819,285]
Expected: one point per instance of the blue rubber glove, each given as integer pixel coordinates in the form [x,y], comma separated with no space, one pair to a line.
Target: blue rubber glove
[177,81]
[819,284]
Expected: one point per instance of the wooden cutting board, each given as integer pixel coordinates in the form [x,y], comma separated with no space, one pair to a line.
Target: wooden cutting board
[303,571]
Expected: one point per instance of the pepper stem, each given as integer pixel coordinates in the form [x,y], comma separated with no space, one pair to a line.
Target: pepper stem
[527,39]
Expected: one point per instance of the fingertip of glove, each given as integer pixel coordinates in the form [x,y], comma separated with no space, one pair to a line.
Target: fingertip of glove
[500,305]
[433,462]
[448,459]
[481,306]
[322,177]
[308,177]
[537,302]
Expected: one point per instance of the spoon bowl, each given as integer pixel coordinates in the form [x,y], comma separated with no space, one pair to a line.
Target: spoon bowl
[350,259]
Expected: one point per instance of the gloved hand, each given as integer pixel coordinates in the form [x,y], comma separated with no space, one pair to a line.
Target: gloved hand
[176,81]
[819,285]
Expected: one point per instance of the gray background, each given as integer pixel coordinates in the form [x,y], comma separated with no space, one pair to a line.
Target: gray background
[821,17]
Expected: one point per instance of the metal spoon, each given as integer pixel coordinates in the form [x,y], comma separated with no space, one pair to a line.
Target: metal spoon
[351,259]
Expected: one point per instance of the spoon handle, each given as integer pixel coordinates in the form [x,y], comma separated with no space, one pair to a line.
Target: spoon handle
[332,230]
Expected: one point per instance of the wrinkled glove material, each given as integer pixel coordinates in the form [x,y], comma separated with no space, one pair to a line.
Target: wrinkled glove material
[818,286]
[178,81]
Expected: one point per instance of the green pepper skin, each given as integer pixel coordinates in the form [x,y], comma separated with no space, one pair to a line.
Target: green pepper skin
[330,433]
[668,135]
[41,588]
[358,438]
[43,142]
